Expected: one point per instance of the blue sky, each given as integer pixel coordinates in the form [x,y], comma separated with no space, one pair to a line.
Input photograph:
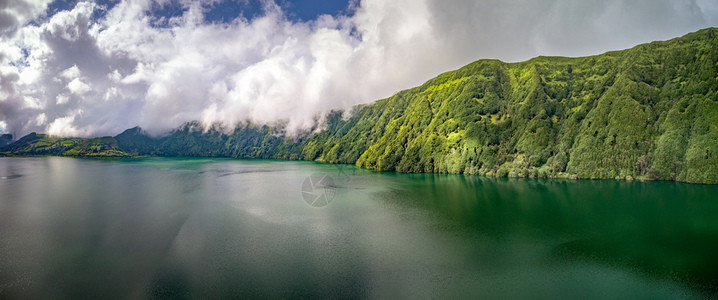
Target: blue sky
[310,9]
[227,10]
[86,68]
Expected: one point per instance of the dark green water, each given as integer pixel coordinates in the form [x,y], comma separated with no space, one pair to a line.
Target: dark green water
[216,228]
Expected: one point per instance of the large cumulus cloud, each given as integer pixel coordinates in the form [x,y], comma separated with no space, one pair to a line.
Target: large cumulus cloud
[94,70]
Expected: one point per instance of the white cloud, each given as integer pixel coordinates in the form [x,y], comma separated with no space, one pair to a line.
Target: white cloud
[63,127]
[71,25]
[41,119]
[77,87]
[14,14]
[33,103]
[120,71]
[62,99]
[115,76]
[70,73]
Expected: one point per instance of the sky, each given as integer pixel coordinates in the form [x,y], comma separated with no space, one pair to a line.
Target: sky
[93,68]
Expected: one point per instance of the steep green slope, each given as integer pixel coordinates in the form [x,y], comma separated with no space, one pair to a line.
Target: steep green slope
[135,141]
[649,112]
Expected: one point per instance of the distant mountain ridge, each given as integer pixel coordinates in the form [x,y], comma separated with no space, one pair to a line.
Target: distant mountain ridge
[649,112]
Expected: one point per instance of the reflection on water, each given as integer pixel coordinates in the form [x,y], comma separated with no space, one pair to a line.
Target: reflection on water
[220,228]
[661,229]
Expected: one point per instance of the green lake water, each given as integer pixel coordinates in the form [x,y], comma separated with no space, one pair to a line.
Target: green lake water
[220,228]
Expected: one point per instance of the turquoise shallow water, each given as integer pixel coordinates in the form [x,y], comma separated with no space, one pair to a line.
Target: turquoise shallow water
[222,228]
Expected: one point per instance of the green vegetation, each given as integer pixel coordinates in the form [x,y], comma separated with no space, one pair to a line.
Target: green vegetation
[650,112]
[41,144]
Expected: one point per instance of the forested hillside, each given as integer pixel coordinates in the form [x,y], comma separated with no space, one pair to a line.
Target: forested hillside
[647,112]
[42,144]
[650,112]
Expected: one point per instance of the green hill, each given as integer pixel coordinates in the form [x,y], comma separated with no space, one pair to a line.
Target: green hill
[41,144]
[646,112]
[650,112]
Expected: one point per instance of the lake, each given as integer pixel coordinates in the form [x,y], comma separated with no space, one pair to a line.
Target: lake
[222,228]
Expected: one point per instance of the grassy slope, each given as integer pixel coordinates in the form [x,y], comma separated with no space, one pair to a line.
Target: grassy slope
[646,112]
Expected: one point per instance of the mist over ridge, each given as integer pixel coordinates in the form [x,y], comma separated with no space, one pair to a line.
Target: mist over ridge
[97,69]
